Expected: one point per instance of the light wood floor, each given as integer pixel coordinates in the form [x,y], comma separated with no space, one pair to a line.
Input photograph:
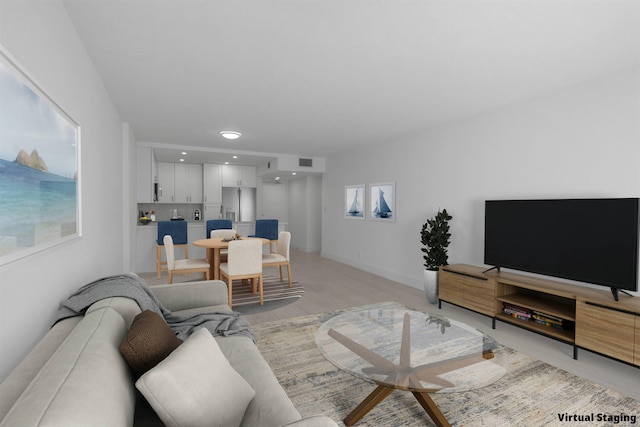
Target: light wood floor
[330,285]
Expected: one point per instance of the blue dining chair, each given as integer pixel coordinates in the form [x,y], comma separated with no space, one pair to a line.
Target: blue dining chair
[218,224]
[178,232]
[267,229]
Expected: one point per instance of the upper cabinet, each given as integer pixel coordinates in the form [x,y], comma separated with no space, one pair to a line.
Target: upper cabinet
[188,183]
[212,183]
[239,176]
[147,174]
[166,186]
[179,183]
[165,182]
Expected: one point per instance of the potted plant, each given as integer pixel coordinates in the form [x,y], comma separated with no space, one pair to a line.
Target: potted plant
[435,238]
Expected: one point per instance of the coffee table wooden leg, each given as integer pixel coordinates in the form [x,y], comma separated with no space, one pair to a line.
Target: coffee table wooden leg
[432,409]
[367,404]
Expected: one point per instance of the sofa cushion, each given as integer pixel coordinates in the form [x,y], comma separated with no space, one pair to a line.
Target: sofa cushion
[148,341]
[196,386]
[87,363]
[18,381]
[271,406]
[126,307]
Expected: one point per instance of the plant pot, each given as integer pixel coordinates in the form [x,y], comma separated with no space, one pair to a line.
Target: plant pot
[431,285]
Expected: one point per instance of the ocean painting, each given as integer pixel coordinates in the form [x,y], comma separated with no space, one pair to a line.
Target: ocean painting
[39,186]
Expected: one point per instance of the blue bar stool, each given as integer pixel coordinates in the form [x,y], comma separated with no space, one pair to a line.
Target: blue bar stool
[267,229]
[218,224]
[178,232]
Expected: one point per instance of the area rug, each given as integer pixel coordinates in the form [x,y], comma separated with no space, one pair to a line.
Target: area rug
[276,294]
[531,393]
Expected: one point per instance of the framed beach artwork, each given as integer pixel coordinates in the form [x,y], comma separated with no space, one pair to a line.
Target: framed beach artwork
[354,202]
[39,167]
[382,202]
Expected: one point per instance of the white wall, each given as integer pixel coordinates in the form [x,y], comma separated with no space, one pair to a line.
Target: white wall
[305,222]
[41,38]
[581,142]
[273,201]
[130,198]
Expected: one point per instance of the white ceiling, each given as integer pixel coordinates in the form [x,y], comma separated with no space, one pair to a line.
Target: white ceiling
[315,77]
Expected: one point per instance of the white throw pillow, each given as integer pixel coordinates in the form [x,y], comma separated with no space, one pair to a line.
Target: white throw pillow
[196,386]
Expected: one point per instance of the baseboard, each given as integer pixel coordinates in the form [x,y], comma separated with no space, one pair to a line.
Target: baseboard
[391,275]
[308,249]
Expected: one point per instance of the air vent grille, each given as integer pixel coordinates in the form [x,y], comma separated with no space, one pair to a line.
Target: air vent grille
[305,162]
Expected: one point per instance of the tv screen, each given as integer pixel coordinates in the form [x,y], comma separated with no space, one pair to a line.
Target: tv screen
[587,240]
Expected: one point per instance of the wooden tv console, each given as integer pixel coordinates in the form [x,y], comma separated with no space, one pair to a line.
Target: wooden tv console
[591,319]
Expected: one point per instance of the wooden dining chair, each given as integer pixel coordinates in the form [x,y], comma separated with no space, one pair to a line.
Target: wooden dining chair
[244,261]
[281,258]
[223,234]
[183,266]
[178,232]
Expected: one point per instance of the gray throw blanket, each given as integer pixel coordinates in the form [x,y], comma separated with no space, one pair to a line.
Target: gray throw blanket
[131,286]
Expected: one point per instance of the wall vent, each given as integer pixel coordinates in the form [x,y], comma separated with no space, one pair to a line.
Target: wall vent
[305,162]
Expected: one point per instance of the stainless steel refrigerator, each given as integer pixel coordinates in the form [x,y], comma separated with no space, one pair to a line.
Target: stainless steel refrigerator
[239,203]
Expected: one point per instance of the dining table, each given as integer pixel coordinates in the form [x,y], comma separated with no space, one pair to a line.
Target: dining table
[213,246]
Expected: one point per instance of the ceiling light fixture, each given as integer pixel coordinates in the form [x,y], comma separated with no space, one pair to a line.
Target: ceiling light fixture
[229,134]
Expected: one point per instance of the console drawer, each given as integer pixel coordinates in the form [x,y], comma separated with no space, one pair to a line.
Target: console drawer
[479,295]
[605,330]
[451,287]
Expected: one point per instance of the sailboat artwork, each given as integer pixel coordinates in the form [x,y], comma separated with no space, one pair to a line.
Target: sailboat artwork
[356,207]
[354,202]
[382,209]
[382,201]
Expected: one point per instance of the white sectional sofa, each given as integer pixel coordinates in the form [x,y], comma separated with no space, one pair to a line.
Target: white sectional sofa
[77,376]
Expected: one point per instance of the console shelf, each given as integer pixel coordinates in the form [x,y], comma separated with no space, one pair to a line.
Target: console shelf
[559,334]
[558,307]
[590,318]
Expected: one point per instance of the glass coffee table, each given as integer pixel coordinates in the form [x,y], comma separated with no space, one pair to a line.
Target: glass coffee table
[408,350]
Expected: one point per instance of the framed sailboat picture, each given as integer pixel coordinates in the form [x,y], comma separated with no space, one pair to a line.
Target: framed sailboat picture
[382,203]
[39,167]
[354,202]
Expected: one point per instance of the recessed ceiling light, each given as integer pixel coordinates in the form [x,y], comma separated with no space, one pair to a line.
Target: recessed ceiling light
[293,173]
[184,153]
[277,178]
[182,160]
[226,163]
[235,157]
[229,134]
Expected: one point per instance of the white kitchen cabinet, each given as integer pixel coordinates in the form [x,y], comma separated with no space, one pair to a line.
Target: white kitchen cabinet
[195,183]
[212,183]
[239,176]
[166,188]
[147,175]
[187,183]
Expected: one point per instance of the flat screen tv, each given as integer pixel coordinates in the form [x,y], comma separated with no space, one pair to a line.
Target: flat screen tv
[587,240]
